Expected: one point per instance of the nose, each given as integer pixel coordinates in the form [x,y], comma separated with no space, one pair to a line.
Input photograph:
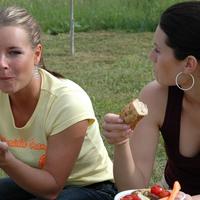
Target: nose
[152,56]
[3,62]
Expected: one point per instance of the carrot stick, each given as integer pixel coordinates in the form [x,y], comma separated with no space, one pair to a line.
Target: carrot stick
[175,190]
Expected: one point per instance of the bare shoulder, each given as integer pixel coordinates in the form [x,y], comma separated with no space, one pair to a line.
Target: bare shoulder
[155,96]
[153,90]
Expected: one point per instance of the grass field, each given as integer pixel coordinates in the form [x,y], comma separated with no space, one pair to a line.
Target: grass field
[111,66]
[129,15]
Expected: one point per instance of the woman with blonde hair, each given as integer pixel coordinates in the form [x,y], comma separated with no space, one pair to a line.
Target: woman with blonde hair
[50,143]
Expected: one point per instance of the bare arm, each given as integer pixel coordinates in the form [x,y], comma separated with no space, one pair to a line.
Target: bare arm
[133,161]
[182,196]
[63,150]
[196,197]
[135,150]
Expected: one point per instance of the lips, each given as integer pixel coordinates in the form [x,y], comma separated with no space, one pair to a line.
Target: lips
[6,78]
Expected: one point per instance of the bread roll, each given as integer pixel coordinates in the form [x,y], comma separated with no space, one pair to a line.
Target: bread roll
[133,112]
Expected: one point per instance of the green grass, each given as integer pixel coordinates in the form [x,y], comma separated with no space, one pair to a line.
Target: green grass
[111,66]
[130,15]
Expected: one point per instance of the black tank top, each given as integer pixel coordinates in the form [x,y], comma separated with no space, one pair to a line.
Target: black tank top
[184,169]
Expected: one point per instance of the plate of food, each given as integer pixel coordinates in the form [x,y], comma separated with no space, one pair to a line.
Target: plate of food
[156,192]
[143,194]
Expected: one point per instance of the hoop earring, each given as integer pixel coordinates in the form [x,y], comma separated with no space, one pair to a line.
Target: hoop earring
[184,89]
[36,72]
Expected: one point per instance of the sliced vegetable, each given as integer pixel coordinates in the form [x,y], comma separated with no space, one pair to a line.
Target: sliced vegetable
[164,193]
[156,189]
[131,197]
[175,190]
[159,191]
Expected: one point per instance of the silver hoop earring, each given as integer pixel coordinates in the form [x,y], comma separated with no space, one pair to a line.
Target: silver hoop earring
[36,72]
[184,89]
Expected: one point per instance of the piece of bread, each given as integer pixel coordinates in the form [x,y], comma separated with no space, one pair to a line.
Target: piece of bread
[133,112]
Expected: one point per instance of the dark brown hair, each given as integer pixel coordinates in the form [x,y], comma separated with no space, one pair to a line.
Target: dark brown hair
[181,23]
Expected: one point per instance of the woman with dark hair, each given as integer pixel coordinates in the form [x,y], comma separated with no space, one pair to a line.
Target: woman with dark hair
[173,102]
[50,143]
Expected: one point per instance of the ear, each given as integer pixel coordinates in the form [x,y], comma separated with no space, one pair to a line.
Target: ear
[37,54]
[191,64]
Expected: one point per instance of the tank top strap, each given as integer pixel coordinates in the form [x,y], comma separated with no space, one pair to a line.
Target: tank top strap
[171,126]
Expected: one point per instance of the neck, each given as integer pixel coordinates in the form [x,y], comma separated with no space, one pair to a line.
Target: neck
[193,96]
[28,96]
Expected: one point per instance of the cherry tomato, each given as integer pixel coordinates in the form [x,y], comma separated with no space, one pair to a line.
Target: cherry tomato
[156,189]
[164,193]
[131,197]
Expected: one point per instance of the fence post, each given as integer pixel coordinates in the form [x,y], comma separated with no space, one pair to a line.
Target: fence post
[72,27]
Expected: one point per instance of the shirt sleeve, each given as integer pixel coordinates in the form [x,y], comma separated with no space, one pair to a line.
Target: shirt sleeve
[67,109]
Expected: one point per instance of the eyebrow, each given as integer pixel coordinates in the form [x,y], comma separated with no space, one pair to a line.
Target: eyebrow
[14,47]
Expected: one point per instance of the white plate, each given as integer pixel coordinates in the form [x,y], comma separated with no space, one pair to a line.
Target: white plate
[122,194]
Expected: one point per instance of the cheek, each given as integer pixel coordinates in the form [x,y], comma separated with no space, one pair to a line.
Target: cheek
[152,56]
[166,75]
[164,64]
[23,67]
[163,71]
[21,70]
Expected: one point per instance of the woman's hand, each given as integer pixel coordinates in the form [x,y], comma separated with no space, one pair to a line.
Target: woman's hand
[115,130]
[3,153]
[3,147]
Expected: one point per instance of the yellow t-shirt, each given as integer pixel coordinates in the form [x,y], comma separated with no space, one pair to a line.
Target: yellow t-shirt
[61,104]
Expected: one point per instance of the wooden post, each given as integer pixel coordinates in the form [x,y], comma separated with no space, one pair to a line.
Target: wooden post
[72,27]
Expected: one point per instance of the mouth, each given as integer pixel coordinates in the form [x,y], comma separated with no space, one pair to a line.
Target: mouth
[6,78]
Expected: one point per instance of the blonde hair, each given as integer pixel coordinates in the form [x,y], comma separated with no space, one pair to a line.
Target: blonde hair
[15,16]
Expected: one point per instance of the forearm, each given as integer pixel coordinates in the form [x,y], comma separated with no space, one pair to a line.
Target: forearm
[126,174]
[36,181]
[196,197]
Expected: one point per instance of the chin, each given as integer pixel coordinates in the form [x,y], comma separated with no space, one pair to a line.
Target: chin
[7,90]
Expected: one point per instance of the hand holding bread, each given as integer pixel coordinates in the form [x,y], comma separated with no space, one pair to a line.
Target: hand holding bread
[115,130]
[133,112]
